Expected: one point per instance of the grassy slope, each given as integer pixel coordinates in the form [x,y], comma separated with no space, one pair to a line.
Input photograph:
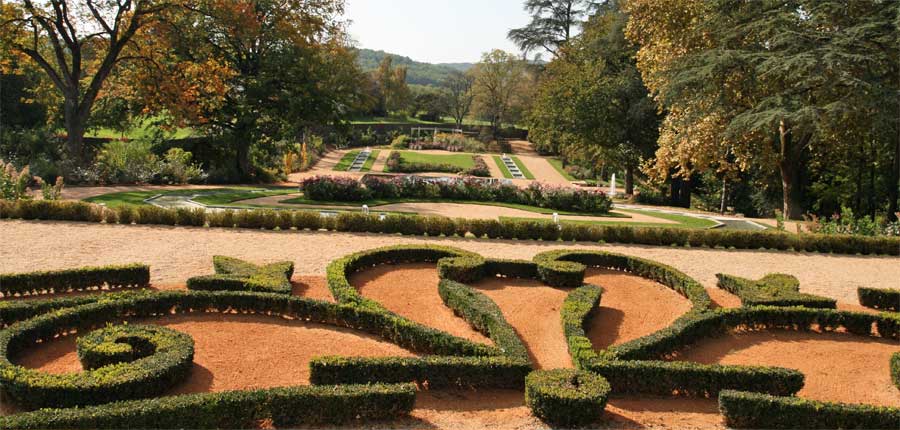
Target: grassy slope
[502,166]
[371,161]
[557,164]
[681,220]
[346,161]
[522,167]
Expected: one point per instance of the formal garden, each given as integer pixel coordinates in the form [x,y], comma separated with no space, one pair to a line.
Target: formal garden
[133,363]
[536,215]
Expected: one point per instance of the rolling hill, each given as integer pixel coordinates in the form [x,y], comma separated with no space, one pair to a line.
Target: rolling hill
[418,73]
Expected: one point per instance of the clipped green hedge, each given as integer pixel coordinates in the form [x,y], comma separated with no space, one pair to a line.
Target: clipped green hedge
[576,310]
[565,268]
[12,311]
[755,410]
[484,315]
[565,397]
[126,343]
[238,275]
[887,299]
[895,369]
[433,371]
[84,278]
[774,289]
[415,225]
[693,379]
[286,407]
[105,380]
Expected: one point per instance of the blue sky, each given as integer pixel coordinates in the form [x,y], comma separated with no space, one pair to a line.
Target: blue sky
[435,31]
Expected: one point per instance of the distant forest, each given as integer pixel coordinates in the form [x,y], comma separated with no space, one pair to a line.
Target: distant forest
[418,73]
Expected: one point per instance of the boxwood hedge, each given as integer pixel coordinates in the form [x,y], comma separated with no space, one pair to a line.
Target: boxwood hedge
[566,398]
[238,275]
[756,410]
[887,299]
[775,289]
[83,278]
[285,407]
[415,225]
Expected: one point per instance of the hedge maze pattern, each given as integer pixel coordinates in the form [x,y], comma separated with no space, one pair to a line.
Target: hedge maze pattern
[127,366]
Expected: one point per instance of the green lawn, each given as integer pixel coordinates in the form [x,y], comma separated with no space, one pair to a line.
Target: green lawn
[557,164]
[463,161]
[506,173]
[212,197]
[681,220]
[371,161]
[374,203]
[138,130]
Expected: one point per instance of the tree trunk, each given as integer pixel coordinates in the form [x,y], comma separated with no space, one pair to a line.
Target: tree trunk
[789,165]
[75,126]
[894,184]
[684,198]
[243,160]
[629,180]
[674,191]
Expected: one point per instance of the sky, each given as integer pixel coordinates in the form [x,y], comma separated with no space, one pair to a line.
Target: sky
[435,31]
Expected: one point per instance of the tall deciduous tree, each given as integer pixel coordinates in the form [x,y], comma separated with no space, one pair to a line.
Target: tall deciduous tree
[765,81]
[460,95]
[77,44]
[261,70]
[591,104]
[501,86]
[552,24]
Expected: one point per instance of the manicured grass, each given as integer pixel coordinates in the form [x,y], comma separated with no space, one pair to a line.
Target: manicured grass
[557,164]
[138,130]
[346,161]
[371,161]
[506,173]
[374,203]
[463,161]
[681,220]
[522,167]
[212,197]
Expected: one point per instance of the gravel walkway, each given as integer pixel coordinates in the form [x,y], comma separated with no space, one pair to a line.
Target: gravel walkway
[177,253]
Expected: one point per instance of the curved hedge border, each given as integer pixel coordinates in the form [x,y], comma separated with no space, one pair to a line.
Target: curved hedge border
[417,225]
[238,275]
[286,407]
[127,343]
[755,410]
[12,311]
[775,289]
[62,281]
[887,299]
[635,367]
[169,363]
[503,366]
[566,398]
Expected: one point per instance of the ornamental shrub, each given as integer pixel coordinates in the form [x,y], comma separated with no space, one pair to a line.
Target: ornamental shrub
[887,299]
[566,398]
[775,289]
[334,188]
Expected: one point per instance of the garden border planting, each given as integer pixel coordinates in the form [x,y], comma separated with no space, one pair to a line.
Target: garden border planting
[79,279]
[565,397]
[491,229]
[774,289]
[887,299]
[238,275]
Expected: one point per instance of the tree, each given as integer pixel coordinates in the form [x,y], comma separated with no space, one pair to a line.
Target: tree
[77,45]
[551,24]
[500,87]
[254,73]
[429,103]
[392,92]
[591,104]
[765,82]
[459,95]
